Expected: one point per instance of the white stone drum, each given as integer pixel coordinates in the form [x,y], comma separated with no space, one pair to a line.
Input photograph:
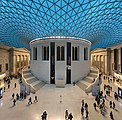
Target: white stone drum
[60,58]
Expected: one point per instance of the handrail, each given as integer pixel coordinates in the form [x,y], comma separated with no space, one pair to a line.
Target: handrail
[96,82]
[32,89]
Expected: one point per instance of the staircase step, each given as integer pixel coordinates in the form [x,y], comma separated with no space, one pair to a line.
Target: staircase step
[92,75]
[26,71]
[35,83]
[84,82]
[88,80]
[27,75]
[31,80]
[81,85]
[93,71]
[88,77]
[39,85]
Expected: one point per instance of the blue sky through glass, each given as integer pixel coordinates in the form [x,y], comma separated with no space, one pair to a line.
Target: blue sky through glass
[99,21]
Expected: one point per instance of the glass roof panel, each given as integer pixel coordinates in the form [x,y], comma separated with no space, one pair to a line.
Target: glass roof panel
[99,21]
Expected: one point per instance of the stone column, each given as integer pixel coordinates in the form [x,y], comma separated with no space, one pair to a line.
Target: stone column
[109,61]
[11,64]
[97,60]
[104,64]
[23,60]
[26,60]
[20,62]
[100,63]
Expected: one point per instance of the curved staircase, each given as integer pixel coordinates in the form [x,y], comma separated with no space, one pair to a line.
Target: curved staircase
[90,81]
[30,80]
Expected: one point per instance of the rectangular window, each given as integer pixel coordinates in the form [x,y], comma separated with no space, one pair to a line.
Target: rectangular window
[34,53]
[45,52]
[6,66]
[0,68]
[60,53]
[86,53]
[75,53]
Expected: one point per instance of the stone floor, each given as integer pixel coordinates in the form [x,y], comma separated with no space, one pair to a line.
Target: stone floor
[49,100]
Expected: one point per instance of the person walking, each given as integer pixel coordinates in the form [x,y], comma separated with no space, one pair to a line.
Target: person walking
[30,101]
[42,116]
[113,105]
[70,117]
[17,96]
[14,102]
[15,85]
[86,106]
[8,86]
[110,104]
[95,106]
[111,116]
[13,96]
[87,113]
[82,103]
[98,101]
[82,111]
[45,115]
[36,100]
[66,114]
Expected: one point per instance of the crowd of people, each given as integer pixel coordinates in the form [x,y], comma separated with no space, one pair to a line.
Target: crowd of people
[99,104]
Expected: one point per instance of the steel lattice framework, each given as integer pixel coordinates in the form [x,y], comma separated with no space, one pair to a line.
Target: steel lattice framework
[99,21]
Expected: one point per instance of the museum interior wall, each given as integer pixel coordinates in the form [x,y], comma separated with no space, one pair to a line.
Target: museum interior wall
[12,59]
[108,60]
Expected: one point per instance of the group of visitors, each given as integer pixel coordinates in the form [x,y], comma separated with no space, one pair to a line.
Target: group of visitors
[110,79]
[100,103]
[30,100]
[44,115]
[20,97]
[15,99]
[68,116]
[84,107]
[112,104]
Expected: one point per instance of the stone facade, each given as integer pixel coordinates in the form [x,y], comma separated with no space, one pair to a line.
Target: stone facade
[108,60]
[12,60]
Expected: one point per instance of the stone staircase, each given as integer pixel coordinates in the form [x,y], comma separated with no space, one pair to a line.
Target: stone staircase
[32,80]
[85,82]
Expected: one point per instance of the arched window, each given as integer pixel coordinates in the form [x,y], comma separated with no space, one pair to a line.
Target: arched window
[75,53]
[60,53]
[34,53]
[73,56]
[86,53]
[45,52]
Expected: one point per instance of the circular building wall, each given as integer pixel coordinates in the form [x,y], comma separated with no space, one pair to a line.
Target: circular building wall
[60,58]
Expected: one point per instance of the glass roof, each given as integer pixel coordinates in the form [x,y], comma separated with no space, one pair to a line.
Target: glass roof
[99,21]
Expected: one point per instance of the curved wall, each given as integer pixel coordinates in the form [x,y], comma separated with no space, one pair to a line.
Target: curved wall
[74,71]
